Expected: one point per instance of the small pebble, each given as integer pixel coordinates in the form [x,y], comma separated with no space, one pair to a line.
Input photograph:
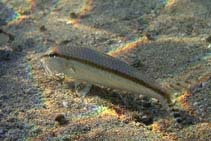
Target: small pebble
[208,39]
[43,28]
[195,103]
[176,114]
[1,131]
[179,120]
[209,46]
[73,15]
[65,104]
[60,118]
[126,121]
[137,124]
[201,107]
[146,119]
[149,36]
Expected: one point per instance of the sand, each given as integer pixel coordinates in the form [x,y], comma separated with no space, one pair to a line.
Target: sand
[167,40]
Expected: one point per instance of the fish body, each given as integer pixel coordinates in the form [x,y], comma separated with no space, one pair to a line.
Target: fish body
[84,64]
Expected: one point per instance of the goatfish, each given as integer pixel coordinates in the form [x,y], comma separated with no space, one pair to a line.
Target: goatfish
[88,65]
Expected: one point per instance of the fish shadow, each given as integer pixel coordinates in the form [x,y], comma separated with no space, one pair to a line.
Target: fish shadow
[144,109]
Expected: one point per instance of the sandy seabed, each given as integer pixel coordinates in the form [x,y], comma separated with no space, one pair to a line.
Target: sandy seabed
[167,40]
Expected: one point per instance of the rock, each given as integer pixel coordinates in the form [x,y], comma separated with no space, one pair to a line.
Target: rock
[60,118]
[5,37]
[146,119]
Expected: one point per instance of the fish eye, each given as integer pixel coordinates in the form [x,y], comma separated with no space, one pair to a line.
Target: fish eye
[52,55]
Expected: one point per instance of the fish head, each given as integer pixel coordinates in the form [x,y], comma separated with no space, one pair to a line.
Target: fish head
[55,65]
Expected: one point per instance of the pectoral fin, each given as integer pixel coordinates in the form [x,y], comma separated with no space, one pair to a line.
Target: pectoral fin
[82,89]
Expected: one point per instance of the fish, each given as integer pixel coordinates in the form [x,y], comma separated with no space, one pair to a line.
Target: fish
[97,68]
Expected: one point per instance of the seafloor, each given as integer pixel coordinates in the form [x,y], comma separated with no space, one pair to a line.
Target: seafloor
[167,40]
